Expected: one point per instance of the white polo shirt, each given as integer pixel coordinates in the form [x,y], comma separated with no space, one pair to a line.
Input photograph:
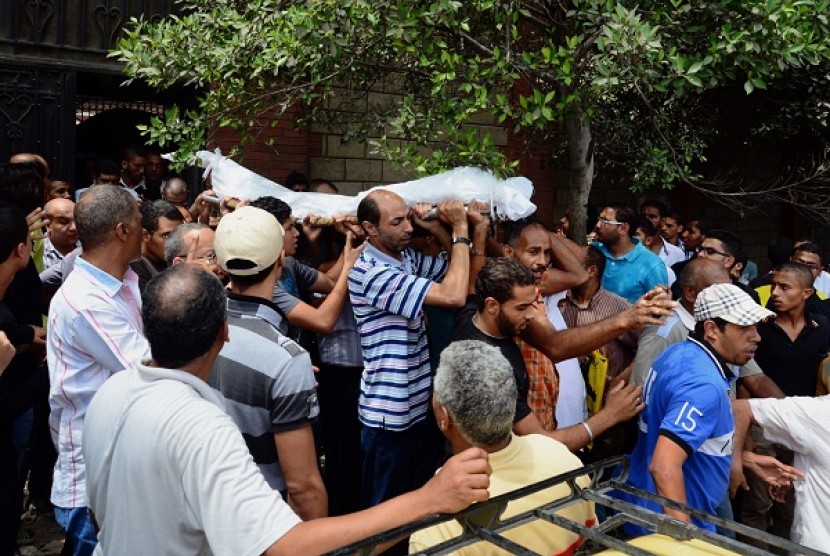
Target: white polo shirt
[169,472]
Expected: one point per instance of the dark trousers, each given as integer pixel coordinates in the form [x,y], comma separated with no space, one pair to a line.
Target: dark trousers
[396,462]
[338,390]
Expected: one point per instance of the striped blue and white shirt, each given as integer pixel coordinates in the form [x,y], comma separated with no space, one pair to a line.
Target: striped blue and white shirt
[388,296]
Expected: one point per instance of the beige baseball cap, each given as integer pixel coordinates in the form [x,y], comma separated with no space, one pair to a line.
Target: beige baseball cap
[248,240]
[731,303]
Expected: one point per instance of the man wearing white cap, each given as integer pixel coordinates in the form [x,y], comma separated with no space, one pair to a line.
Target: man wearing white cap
[266,377]
[684,451]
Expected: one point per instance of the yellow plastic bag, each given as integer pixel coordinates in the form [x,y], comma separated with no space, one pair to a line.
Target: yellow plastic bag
[595,382]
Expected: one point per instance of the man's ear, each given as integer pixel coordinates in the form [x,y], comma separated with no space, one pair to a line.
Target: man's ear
[145,236]
[491,306]
[370,229]
[507,250]
[710,330]
[281,259]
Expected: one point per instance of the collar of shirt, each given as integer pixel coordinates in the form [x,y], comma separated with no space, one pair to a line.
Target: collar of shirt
[372,252]
[632,255]
[152,374]
[262,308]
[108,283]
[726,370]
[685,317]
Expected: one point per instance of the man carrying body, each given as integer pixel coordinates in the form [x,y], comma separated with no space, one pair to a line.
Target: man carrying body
[556,395]
[684,450]
[61,233]
[388,287]
[159,424]
[266,377]
[632,270]
[94,331]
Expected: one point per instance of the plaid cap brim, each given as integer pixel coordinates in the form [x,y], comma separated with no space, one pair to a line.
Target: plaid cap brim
[730,303]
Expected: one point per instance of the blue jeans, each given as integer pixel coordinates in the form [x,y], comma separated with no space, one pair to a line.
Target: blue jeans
[724,511]
[79,529]
[395,462]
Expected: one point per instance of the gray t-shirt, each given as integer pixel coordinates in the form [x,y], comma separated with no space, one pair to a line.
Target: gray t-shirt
[296,279]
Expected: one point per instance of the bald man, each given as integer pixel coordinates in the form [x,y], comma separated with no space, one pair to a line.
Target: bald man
[61,234]
[388,287]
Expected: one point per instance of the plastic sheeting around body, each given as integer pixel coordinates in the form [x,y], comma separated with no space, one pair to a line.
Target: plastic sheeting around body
[509,198]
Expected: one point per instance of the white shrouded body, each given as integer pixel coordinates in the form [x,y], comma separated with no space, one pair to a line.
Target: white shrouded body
[509,198]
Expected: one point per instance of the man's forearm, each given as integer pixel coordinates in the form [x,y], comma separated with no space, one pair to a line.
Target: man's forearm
[573,342]
[668,480]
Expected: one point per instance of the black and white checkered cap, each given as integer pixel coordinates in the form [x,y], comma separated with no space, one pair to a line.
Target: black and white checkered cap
[730,303]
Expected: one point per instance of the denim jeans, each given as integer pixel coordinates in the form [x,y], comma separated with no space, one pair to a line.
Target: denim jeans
[79,529]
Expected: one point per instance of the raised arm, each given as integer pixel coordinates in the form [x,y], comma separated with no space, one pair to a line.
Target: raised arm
[577,341]
[567,271]
[452,291]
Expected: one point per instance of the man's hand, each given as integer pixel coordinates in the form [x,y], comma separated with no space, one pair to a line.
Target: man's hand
[7,351]
[464,479]
[311,233]
[344,224]
[770,470]
[778,493]
[452,213]
[351,253]
[36,220]
[737,479]
[476,214]
[624,402]
[650,309]
[419,212]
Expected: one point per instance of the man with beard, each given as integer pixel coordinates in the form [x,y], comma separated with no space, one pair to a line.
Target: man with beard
[504,306]
[388,287]
[632,270]
[556,395]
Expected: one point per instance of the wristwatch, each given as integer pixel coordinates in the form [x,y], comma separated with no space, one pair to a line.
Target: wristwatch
[465,240]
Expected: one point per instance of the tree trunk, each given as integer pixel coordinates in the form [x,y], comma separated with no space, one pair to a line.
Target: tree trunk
[581,164]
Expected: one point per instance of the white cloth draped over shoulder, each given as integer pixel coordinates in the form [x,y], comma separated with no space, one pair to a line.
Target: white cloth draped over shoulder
[509,198]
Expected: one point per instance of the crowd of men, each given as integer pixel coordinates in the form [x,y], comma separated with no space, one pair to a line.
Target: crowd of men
[184,377]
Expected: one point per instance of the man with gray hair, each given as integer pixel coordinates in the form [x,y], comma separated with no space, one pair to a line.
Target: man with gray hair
[193,243]
[95,330]
[475,409]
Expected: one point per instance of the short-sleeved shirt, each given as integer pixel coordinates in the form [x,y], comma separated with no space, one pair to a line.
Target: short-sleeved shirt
[793,365]
[465,329]
[634,273]
[655,339]
[801,424]
[158,439]
[687,401]
[387,296]
[525,460]
[267,381]
[295,280]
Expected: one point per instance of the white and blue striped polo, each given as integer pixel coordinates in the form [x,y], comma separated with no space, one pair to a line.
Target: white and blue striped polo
[388,296]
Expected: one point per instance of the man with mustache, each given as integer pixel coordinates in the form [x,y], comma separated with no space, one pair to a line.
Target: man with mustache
[684,449]
[388,287]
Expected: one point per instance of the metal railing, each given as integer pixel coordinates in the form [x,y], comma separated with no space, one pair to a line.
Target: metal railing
[482,522]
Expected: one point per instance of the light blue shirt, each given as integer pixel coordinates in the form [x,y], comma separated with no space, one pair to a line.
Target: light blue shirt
[633,274]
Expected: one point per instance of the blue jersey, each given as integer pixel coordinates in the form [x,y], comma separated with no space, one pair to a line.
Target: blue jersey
[686,398]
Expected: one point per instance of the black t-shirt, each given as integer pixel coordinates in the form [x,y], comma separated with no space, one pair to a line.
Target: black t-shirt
[793,366]
[464,329]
